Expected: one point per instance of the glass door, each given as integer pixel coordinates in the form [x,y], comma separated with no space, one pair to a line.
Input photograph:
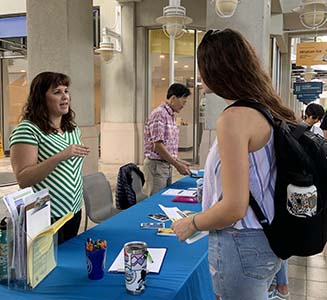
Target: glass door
[13,94]
[185,72]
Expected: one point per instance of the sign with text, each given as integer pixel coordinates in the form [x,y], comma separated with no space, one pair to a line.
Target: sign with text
[308,54]
[307,96]
[313,87]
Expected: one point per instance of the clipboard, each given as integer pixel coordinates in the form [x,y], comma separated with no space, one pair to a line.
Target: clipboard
[37,218]
[37,214]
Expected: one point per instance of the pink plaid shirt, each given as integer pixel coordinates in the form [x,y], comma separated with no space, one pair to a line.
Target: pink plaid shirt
[161,126]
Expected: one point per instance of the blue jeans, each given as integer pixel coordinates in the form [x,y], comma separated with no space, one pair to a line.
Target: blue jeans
[242,264]
[282,274]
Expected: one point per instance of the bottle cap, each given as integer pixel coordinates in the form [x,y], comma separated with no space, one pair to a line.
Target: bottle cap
[301,180]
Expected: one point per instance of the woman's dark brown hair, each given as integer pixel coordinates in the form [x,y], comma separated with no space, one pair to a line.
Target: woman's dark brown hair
[36,110]
[230,68]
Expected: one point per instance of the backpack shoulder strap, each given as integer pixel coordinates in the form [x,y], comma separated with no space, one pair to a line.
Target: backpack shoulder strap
[257,106]
[266,113]
[300,129]
[264,222]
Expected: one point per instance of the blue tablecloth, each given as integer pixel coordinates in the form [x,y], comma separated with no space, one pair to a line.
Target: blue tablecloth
[183,275]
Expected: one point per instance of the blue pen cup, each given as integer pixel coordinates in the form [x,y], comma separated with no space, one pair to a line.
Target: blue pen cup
[95,261]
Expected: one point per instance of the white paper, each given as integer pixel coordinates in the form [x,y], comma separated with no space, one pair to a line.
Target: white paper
[14,202]
[157,255]
[37,219]
[178,192]
[174,214]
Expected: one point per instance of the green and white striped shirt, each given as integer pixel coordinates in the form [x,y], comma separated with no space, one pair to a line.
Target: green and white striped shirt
[65,182]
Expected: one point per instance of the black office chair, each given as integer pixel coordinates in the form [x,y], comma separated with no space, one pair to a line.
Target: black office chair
[98,198]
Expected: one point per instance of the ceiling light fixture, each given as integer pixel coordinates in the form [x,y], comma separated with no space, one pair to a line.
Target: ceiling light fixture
[174,19]
[226,8]
[312,13]
[173,24]
[308,73]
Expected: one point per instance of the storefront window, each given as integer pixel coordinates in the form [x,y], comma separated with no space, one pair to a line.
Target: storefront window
[14,94]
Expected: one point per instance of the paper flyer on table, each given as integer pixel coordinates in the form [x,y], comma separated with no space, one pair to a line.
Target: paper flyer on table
[197,173]
[178,192]
[174,214]
[157,255]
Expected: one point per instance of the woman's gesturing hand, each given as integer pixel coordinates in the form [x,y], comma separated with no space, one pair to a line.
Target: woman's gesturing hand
[75,150]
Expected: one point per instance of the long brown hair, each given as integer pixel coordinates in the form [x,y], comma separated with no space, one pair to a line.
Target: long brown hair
[230,67]
[36,110]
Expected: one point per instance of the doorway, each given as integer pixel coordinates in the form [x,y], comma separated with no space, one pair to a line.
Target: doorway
[13,95]
[186,73]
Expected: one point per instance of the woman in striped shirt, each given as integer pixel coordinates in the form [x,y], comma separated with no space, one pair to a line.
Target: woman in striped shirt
[46,150]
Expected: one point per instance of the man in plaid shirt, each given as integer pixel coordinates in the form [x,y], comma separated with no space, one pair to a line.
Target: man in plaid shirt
[161,141]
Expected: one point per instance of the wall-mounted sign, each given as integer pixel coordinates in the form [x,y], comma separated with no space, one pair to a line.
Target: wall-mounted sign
[308,54]
[307,96]
[312,87]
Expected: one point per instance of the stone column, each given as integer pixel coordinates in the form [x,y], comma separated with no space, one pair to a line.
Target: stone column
[119,134]
[286,78]
[60,39]
[252,19]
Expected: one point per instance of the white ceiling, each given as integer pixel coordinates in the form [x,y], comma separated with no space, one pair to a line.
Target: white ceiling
[288,5]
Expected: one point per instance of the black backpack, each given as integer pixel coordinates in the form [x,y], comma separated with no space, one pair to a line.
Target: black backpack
[299,226]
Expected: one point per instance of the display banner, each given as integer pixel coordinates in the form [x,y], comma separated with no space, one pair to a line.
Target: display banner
[308,54]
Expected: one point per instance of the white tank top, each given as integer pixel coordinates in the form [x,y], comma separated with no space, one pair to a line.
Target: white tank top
[262,178]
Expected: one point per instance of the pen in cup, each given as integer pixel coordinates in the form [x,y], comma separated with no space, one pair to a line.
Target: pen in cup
[95,251]
[91,245]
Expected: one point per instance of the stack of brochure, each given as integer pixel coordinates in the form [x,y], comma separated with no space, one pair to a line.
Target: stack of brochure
[30,234]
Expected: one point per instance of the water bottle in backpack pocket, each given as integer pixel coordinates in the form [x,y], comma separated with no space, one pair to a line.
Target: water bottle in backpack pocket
[302,196]
[302,200]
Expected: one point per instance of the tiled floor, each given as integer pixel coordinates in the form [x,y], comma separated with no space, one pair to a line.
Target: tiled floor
[307,276]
